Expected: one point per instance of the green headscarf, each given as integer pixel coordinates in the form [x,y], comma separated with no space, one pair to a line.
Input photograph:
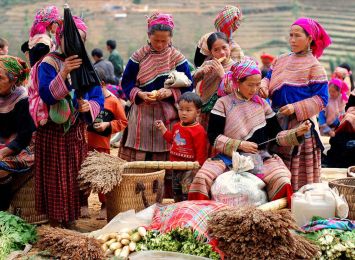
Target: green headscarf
[15,68]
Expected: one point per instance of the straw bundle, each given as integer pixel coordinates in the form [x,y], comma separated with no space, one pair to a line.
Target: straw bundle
[101,172]
[251,233]
[67,244]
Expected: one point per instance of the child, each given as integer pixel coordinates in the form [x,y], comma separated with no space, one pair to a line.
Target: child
[188,139]
[329,118]
[4,46]
[110,120]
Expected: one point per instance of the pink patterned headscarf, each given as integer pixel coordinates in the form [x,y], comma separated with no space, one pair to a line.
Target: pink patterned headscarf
[320,37]
[342,86]
[245,68]
[80,24]
[44,17]
[228,20]
[160,18]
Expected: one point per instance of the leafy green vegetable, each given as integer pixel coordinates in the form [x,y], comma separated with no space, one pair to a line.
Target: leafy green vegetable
[180,240]
[15,233]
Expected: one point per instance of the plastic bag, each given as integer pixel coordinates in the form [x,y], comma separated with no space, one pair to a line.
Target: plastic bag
[124,220]
[238,189]
[177,79]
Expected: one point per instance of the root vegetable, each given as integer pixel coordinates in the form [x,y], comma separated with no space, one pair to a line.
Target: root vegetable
[125,242]
[136,237]
[104,247]
[118,252]
[108,243]
[125,235]
[132,246]
[115,245]
[142,231]
[108,252]
[104,238]
[112,235]
[125,252]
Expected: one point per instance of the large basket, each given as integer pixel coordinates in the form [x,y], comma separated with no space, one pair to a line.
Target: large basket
[346,187]
[23,203]
[138,189]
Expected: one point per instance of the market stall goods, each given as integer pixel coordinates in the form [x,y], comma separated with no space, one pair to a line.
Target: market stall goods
[250,233]
[67,244]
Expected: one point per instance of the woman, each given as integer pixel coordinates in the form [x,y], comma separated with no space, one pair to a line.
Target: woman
[143,83]
[16,126]
[342,145]
[60,143]
[298,88]
[44,25]
[329,119]
[244,122]
[227,21]
[209,76]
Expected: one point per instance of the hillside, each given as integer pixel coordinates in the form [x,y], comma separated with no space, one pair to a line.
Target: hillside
[264,28]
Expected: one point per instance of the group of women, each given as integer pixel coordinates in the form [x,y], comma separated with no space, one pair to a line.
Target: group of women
[282,138]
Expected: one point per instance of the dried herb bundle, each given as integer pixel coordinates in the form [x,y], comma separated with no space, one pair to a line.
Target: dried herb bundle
[250,233]
[67,244]
[101,172]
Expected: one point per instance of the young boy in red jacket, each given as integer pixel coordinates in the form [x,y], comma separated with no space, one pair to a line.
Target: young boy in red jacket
[188,141]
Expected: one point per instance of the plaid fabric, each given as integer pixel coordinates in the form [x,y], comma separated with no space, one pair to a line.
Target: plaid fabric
[186,214]
[228,20]
[58,160]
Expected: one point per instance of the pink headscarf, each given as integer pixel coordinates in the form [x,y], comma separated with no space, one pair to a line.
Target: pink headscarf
[342,86]
[160,18]
[79,24]
[44,17]
[320,37]
[245,68]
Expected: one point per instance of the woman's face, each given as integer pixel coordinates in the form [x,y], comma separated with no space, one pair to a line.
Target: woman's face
[160,40]
[5,83]
[220,48]
[250,87]
[333,92]
[299,41]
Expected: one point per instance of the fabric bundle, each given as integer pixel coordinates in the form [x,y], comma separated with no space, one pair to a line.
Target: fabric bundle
[67,244]
[250,233]
[177,79]
[228,20]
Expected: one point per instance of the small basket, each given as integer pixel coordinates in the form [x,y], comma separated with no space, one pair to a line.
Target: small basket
[23,203]
[351,171]
[346,187]
[138,189]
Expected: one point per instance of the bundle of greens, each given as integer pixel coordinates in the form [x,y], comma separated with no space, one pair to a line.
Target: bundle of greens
[334,244]
[181,240]
[15,233]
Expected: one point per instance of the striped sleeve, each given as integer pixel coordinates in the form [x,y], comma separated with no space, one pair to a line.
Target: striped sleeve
[288,138]
[226,145]
[52,87]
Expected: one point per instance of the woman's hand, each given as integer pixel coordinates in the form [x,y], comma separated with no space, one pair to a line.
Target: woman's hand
[84,105]
[146,97]
[248,147]
[287,110]
[218,68]
[102,126]
[71,63]
[303,128]
[160,126]
[164,93]
[263,92]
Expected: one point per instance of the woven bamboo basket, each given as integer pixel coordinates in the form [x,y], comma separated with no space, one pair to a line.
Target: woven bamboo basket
[23,203]
[351,171]
[138,189]
[346,187]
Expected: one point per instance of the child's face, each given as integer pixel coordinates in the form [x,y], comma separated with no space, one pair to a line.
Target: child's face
[187,112]
[333,92]
[220,49]
[5,50]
